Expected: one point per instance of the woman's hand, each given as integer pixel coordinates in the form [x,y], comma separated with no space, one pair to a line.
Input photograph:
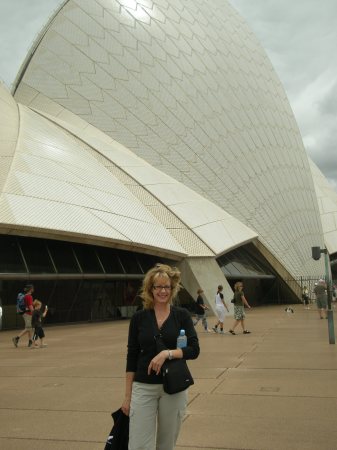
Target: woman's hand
[129,377]
[157,362]
[126,406]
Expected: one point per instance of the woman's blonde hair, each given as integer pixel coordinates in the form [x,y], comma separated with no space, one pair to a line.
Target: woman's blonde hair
[36,303]
[159,270]
[237,285]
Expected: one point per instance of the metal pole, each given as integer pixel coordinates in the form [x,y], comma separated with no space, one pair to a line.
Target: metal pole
[331,329]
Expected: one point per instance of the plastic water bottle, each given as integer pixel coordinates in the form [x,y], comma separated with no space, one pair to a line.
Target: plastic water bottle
[182,339]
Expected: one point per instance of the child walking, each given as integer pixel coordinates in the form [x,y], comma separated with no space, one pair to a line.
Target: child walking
[37,324]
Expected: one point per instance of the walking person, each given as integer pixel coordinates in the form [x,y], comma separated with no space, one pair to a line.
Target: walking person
[27,316]
[239,308]
[321,298]
[37,317]
[200,310]
[155,416]
[220,306]
[305,297]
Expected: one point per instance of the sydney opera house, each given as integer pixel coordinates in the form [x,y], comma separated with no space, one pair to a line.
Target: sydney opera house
[153,131]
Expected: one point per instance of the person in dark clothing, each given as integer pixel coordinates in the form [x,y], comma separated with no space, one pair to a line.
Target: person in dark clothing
[200,311]
[321,298]
[37,324]
[155,416]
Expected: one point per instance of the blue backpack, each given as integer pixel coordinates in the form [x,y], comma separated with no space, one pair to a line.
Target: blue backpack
[20,303]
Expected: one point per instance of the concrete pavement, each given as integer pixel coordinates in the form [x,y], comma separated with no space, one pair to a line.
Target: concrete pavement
[275,389]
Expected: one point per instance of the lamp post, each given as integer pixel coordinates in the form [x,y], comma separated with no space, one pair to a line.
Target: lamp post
[316,254]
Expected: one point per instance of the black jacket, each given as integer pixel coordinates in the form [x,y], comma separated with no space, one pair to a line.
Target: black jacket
[142,345]
[119,435]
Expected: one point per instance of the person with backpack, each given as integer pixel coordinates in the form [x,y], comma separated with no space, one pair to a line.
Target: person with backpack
[24,306]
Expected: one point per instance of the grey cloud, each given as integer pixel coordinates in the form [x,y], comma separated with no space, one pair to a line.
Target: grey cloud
[299,36]
[324,154]
[21,21]
[300,39]
[328,105]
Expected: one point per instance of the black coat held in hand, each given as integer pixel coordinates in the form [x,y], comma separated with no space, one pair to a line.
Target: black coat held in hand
[119,435]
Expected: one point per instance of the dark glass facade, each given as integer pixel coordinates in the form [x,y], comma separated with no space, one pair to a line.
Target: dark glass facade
[245,262]
[261,283]
[11,259]
[77,282]
[91,283]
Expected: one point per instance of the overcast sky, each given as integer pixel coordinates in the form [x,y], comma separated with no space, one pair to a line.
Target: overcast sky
[299,36]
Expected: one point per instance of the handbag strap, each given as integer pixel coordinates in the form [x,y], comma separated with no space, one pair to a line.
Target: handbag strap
[157,334]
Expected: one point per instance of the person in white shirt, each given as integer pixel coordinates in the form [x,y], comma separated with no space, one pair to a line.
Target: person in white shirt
[220,306]
[305,297]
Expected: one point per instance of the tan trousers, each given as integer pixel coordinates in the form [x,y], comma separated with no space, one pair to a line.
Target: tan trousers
[155,417]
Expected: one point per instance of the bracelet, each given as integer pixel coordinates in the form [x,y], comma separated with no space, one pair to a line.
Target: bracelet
[170,355]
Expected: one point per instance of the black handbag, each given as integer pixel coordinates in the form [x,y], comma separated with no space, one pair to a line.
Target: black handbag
[176,374]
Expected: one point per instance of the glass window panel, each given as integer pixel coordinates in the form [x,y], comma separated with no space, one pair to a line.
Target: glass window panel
[106,303]
[241,268]
[87,258]
[63,257]
[130,292]
[229,269]
[110,260]
[62,295]
[131,299]
[10,256]
[250,263]
[243,262]
[147,261]
[36,255]
[129,262]
[80,307]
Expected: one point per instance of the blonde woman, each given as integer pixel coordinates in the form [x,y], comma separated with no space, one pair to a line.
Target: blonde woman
[239,308]
[155,416]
